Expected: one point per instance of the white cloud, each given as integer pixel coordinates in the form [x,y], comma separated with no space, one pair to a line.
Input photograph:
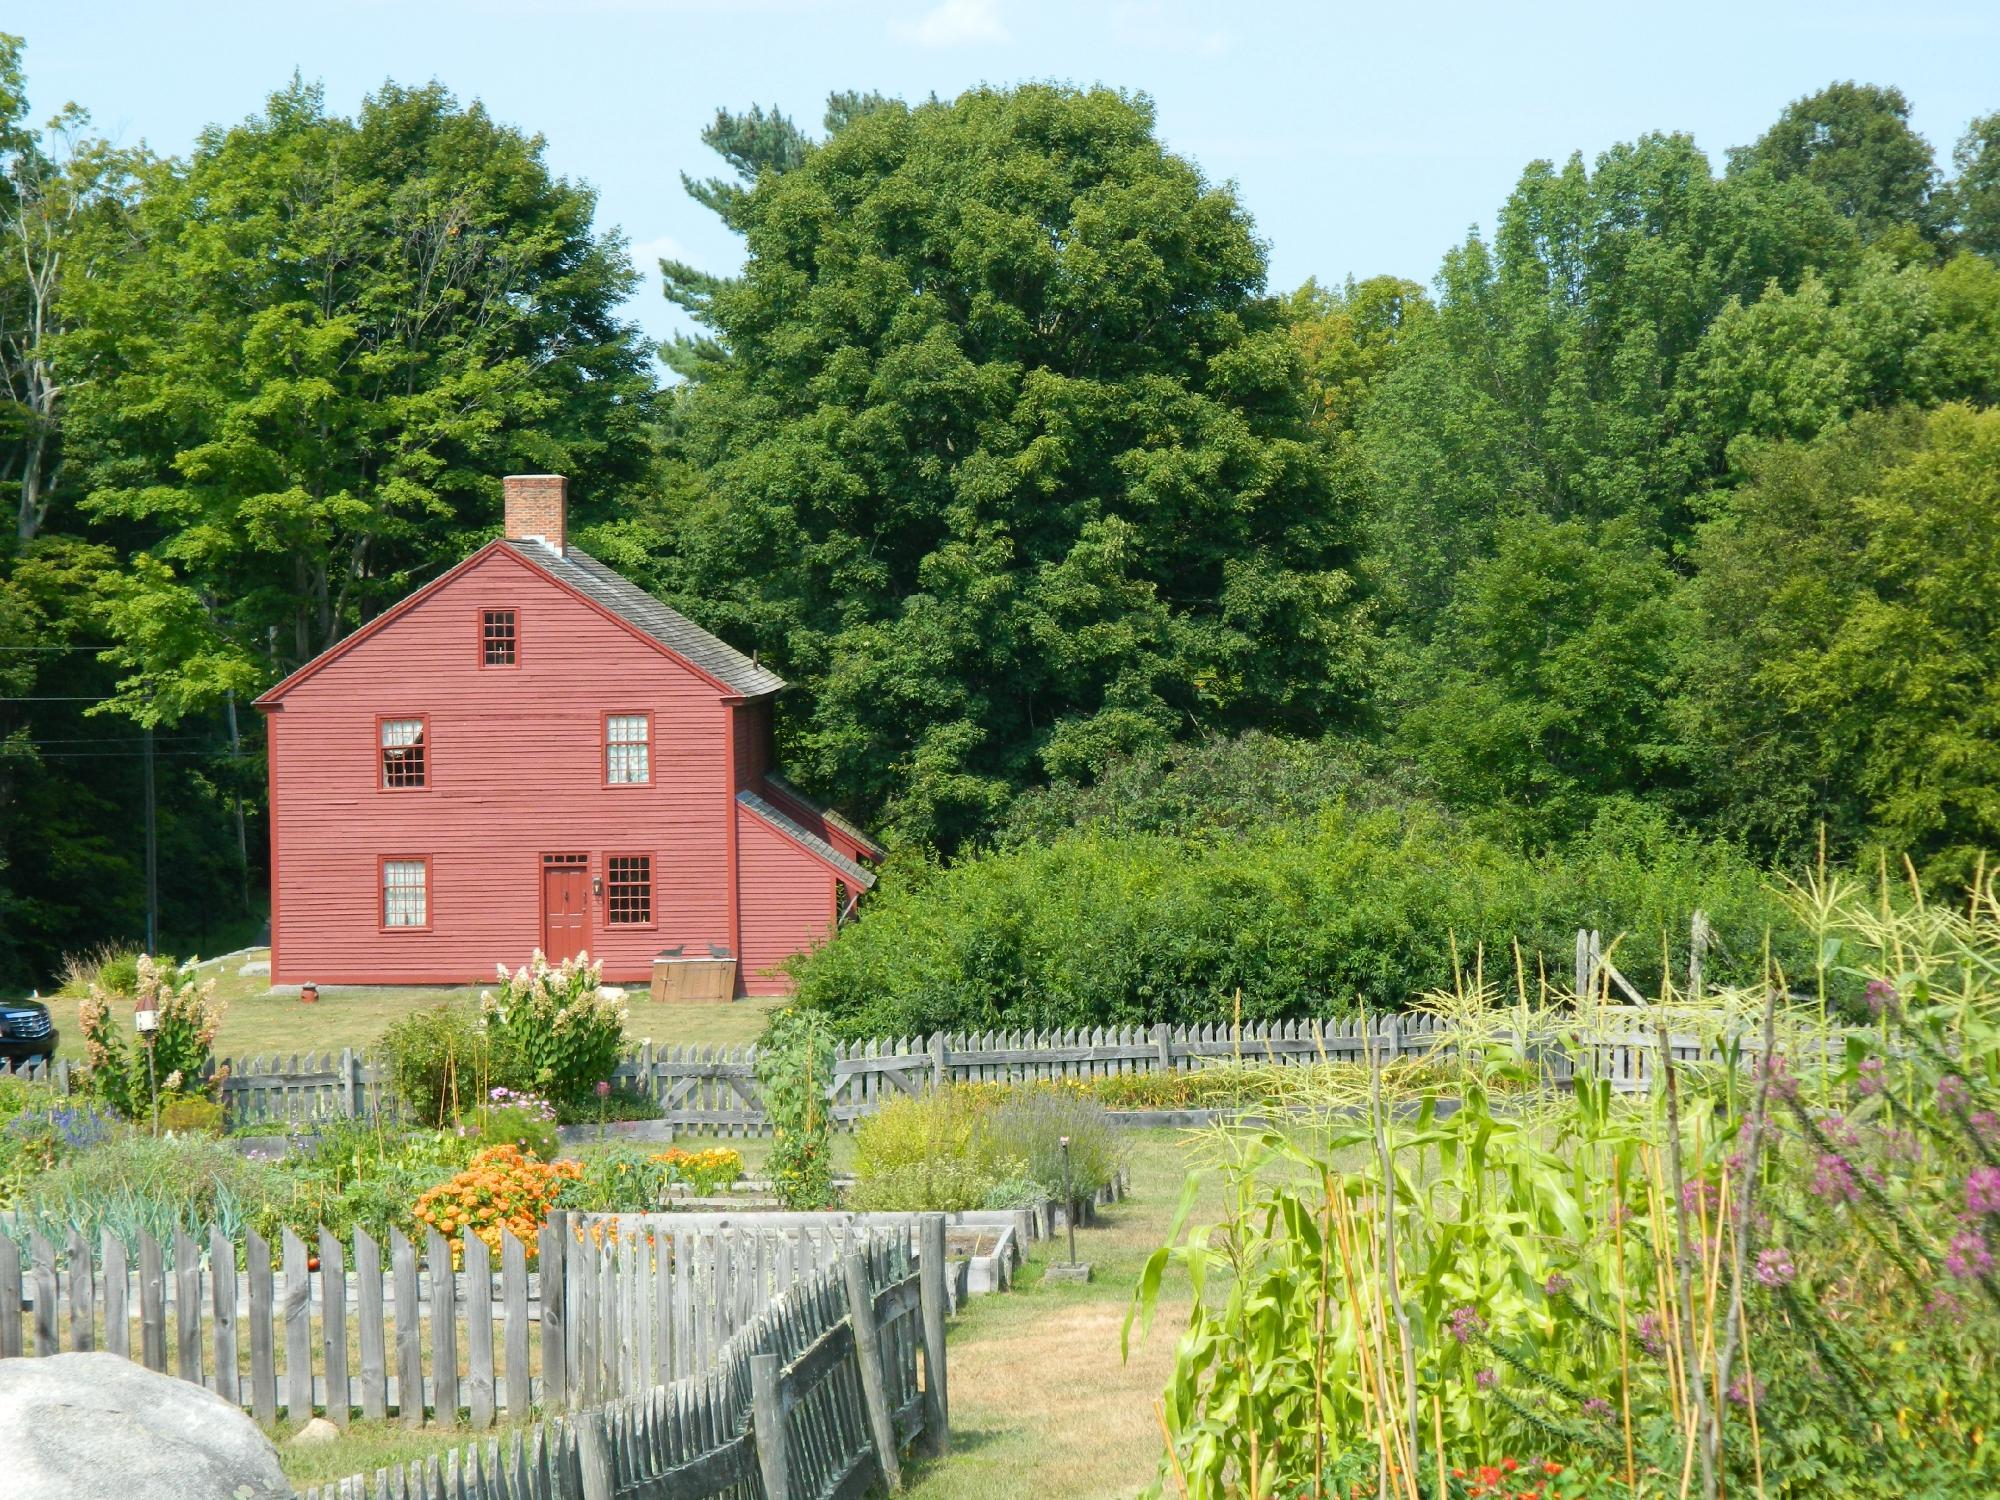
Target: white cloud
[647,254]
[956,23]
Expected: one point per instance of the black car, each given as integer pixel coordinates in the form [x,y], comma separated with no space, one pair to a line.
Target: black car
[26,1032]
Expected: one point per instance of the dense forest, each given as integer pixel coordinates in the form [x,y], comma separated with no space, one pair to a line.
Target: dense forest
[1654,541]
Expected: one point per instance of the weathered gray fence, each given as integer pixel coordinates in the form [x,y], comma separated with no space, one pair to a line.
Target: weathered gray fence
[340,1328]
[813,1400]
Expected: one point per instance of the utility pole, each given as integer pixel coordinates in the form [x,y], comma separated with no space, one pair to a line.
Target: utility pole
[152,854]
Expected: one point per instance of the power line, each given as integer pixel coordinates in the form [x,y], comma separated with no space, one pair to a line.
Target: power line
[72,698]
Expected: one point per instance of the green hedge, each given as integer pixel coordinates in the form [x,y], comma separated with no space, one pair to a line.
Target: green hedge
[1109,929]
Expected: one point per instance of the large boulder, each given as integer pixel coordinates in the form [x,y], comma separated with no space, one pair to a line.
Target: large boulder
[99,1427]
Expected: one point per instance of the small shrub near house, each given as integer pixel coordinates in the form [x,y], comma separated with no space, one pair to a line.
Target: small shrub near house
[552,1029]
[440,1061]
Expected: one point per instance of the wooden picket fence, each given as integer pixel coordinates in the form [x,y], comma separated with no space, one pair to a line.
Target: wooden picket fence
[714,1089]
[814,1399]
[364,1335]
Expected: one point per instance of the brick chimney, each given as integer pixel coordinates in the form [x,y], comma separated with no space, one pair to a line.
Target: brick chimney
[537,506]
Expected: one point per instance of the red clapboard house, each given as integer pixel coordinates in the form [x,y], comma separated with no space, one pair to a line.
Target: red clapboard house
[531,751]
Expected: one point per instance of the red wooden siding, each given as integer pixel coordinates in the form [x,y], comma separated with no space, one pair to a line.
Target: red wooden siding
[514,770]
[786,903]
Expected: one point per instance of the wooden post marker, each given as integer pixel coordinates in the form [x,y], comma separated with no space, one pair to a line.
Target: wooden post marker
[868,1355]
[931,1295]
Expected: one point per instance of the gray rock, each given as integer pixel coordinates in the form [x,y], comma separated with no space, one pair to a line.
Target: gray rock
[315,1433]
[100,1427]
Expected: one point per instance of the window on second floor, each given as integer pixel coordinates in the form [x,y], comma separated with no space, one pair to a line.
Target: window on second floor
[404,758]
[628,759]
[498,638]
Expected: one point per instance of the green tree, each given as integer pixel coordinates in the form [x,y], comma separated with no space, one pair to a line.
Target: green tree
[1854,143]
[1850,600]
[1009,464]
[1976,189]
[319,343]
[1546,692]
[1547,378]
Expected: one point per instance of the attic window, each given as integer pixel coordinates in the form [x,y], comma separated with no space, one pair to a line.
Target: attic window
[496,638]
[628,890]
[628,757]
[403,755]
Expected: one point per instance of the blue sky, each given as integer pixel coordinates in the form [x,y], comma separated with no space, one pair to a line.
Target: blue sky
[1363,138]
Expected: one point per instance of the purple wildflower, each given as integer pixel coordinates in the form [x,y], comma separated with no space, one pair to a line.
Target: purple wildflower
[1597,1407]
[1944,1307]
[1833,1180]
[1873,1076]
[1779,1072]
[1701,1195]
[1775,1266]
[1982,1191]
[1968,1256]
[1466,1324]
[1952,1092]
[1652,1334]
[1486,1380]
[1881,997]
[1556,1285]
[1744,1390]
[1987,1124]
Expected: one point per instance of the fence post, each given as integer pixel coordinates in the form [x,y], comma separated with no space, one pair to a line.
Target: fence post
[1582,963]
[222,1299]
[62,1076]
[46,1291]
[549,1260]
[767,1416]
[593,1456]
[10,1298]
[409,1332]
[868,1355]
[938,1067]
[1165,1047]
[931,1290]
[333,1327]
[1697,951]
[350,1081]
[297,1305]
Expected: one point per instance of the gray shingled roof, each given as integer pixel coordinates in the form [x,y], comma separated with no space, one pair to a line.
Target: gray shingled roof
[784,785]
[799,834]
[640,609]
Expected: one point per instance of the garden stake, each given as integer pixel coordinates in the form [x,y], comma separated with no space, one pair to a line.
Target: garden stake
[1173,1458]
[1389,1237]
[1624,1345]
[1069,1198]
[1437,1437]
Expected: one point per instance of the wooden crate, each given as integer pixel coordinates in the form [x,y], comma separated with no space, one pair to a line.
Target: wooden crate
[694,981]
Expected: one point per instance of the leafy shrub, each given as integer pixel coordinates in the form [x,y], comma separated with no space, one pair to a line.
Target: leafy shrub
[440,1059]
[499,1189]
[1111,929]
[931,1153]
[190,1114]
[704,1173]
[616,1180]
[522,1121]
[358,1174]
[45,1131]
[618,1103]
[553,1029]
[114,969]
[179,1048]
[132,1181]
[1014,1192]
[795,1069]
[1029,1126]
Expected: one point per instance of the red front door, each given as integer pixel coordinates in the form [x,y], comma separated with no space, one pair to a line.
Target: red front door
[565,908]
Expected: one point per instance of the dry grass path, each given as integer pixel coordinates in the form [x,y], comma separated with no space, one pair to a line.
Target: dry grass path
[1041,1403]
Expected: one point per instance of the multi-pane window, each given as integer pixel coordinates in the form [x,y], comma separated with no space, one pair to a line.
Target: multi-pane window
[403,753]
[627,753]
[496,637]
[628,889]
[405,893]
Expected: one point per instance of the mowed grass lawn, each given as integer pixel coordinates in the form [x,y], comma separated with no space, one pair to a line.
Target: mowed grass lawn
[256,1022]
